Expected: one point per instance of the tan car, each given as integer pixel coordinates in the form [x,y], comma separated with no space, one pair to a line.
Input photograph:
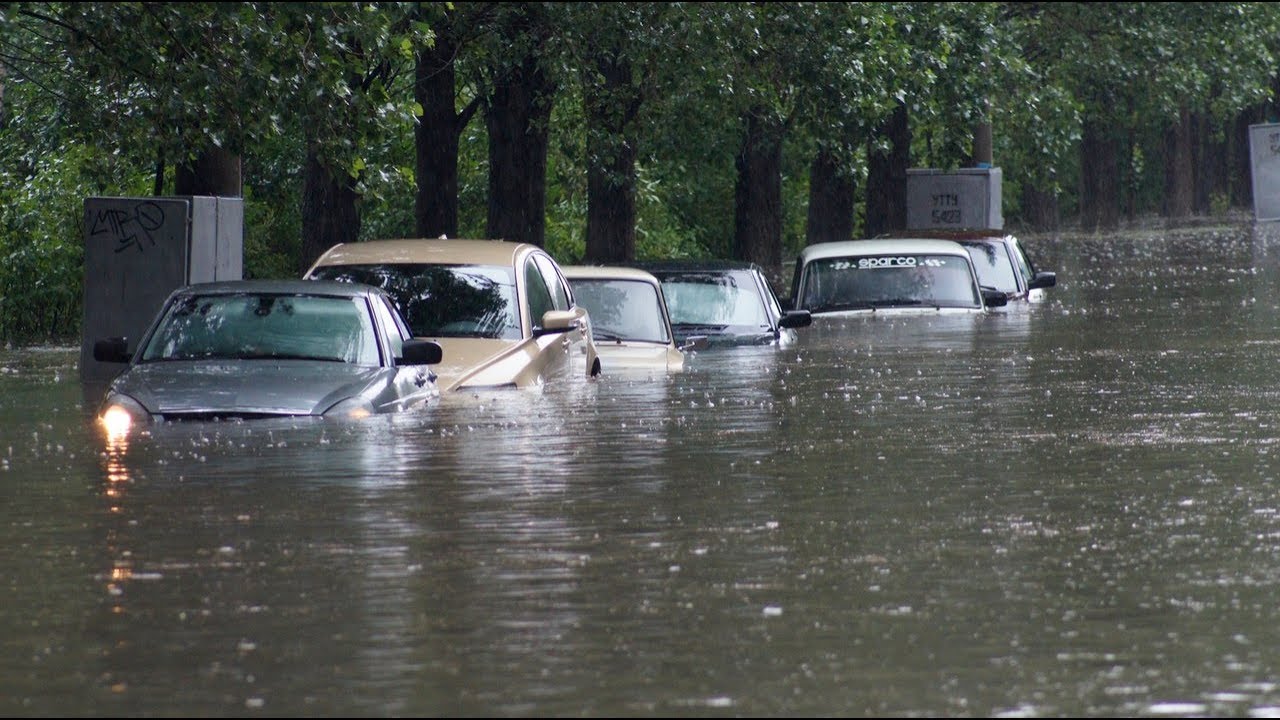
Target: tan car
[629,318]
[502,311]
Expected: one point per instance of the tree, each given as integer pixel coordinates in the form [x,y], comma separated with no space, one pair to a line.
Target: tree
[437,133]
[517,111]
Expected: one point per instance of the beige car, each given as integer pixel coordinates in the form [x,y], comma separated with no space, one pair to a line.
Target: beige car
[629,318]
[502,311]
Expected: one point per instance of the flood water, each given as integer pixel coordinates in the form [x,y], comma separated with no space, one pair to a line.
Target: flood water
[1066,509]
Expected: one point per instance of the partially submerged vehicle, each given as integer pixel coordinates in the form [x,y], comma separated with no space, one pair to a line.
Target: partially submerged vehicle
[727,302]
[258,348]
[899,276]
[629,319]
[502,311]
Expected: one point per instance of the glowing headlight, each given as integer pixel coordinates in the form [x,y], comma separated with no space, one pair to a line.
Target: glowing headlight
[120,413]
[350,408]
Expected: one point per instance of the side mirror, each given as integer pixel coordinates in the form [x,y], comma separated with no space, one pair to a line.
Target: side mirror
[111,350]
[1043,279]
[417,351]
[796,319]
[556,321]
[992,297]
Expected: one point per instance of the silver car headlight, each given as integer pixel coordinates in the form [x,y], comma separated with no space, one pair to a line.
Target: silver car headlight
[121,413]
[354,407]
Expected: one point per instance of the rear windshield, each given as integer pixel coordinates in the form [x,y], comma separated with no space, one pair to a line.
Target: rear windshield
[477,301]
[852,283]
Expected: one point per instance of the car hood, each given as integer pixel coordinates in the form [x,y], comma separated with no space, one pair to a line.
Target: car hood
[464,358]
[638,355]
[249,387]
[902,310]
[724,335]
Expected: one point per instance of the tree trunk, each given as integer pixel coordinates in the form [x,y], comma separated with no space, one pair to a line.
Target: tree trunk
[157,187]
[214,172]
[887,176]
[329,214]
[611,167]
[832,189]
[435,210]
[757,228]
[1099,191]
[518,116]
[1179,183]
[1039,209]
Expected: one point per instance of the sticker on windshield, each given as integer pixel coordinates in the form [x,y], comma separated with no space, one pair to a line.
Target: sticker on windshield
[888,261]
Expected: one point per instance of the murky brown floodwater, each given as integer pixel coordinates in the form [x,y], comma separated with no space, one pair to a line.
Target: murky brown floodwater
[1071,509]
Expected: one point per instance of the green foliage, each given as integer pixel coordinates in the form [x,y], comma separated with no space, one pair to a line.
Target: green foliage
[93,95]
[42,237]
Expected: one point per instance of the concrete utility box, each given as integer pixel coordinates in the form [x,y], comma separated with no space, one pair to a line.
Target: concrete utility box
[964,199]
[1264,170]
[138,250]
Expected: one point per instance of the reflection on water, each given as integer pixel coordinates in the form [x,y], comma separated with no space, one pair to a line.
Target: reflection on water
[1063,509]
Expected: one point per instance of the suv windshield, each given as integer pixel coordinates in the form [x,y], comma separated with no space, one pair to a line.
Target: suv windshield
[477,301]
[833,284]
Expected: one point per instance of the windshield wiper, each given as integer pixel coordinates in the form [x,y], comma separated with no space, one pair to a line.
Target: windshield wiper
[837,307]
[603,334]
[895,302]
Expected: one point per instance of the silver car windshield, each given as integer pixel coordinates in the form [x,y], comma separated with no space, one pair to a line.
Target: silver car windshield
[477,301]
[851,283]
[622,309]
[714,299]
[255,326]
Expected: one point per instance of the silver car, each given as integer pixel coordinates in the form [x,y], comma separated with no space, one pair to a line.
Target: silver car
[258,348]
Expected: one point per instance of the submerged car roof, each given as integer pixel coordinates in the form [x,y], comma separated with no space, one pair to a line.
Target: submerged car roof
[424,251]
[714,265]
[606,272]
[974,234]
[303,287]
[853,248]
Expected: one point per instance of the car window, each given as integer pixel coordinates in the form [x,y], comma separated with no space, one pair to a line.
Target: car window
[560,297]
[476,301]
[390,321]
[767,294]
[1024,263]
[622,309]
[902,280]
[713,299]
[539,295]
[253,326]
[993,265]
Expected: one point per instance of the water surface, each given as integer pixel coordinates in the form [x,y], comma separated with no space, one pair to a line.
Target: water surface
[1065,509]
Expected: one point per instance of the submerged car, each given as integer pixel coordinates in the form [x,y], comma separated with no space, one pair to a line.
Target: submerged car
[891,275]
[629,318]
[502,311]
[257,348]
[1002,263]
[727,302]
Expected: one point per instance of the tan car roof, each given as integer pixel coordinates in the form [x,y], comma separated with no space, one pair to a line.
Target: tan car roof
[426,250]
[606,272]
